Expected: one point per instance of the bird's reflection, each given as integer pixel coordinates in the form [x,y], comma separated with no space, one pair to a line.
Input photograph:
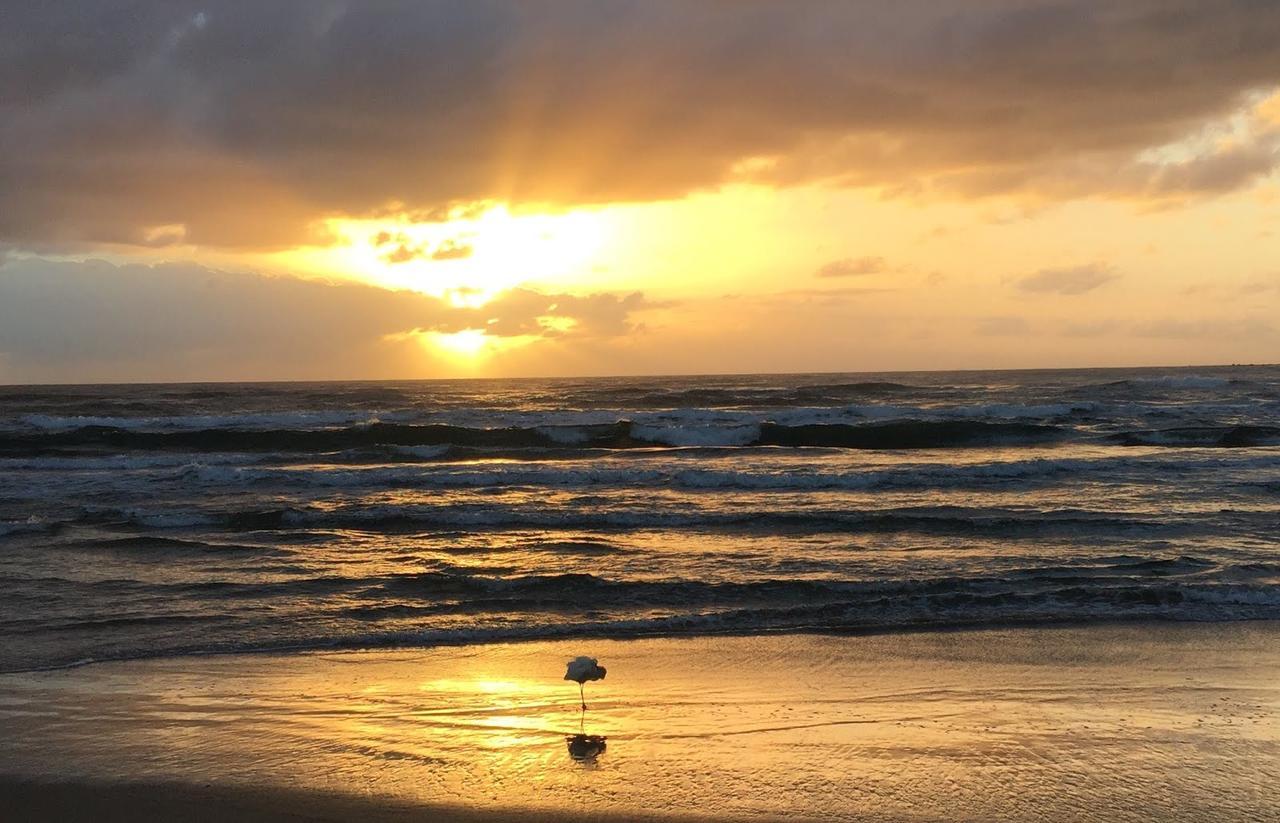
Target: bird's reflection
[585,748]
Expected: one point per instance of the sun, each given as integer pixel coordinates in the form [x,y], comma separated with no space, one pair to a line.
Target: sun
[468,348]
[465,343]
[469,257]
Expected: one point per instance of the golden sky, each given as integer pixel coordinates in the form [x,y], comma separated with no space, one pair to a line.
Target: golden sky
[373,190]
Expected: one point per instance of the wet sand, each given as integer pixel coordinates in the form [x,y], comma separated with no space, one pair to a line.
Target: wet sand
[1150,722]
[128,802]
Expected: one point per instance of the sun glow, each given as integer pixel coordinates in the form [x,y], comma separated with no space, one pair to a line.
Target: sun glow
[468,257]
[467,346]
[469,342]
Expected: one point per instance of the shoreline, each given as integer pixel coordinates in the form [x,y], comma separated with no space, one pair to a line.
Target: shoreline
[1145,722]
[1004,624]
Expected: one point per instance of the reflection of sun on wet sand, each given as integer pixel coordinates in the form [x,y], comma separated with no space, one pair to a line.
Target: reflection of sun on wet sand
[1143,723]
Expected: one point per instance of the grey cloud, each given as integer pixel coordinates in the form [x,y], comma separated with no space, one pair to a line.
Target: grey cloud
[1121,174]
[103,317]
[853,267]
[1074,280]
[245,124]
[1228,168]
[1261,285]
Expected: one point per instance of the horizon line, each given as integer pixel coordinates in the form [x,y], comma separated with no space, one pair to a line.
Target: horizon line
[654,376]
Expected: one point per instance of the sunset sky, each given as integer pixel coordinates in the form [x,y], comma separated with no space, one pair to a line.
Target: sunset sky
[315,189]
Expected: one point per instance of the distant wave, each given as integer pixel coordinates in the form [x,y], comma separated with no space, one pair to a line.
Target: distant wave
[157,546]
[32,525]
[1219,436]
[669,474]
[1199,385]
[944,520]
[708,415]
[1188,381]
[433,440]
[449,592]
[116,463]
[265,420]
[540,608]
[620,435]
[1228,420]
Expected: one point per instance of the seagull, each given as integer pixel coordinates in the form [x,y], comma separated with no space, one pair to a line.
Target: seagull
[582,669]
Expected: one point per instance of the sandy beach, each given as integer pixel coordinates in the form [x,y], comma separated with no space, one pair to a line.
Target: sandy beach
[1128,722]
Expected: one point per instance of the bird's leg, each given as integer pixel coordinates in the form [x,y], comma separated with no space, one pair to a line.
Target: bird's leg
[583,695]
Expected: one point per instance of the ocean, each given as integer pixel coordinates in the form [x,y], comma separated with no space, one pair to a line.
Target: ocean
[165,520]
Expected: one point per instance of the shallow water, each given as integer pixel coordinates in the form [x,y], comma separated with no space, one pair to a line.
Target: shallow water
[154,520]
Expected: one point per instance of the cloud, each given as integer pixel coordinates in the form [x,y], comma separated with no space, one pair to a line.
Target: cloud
[244,122]
[522,312]
[406,250]
[1003,326]
[452,250]
[853,267]
[187,321]
[1261,285]
[403,253]
[1091,328]
[1215,329]
[1074,280]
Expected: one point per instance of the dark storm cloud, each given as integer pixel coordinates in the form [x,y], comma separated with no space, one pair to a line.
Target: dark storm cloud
[242,122]
[108,314]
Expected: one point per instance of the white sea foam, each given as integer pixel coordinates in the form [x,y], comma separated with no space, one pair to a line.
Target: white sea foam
[565,435]
[737,435]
